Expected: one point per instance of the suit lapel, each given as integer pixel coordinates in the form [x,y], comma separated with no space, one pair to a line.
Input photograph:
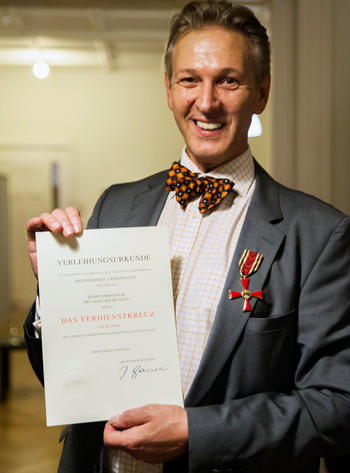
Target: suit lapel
[148,204]
[260,235]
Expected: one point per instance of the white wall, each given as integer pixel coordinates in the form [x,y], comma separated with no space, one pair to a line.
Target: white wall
[341,105]
[4,286]
[312,97]
[116,123]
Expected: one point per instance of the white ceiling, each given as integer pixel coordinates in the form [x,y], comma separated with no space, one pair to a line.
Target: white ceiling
[86,33]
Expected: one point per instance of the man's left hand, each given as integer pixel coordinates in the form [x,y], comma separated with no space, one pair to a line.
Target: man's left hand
[154,433]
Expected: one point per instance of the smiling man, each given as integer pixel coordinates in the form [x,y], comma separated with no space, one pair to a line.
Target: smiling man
[213,92]
[260,277]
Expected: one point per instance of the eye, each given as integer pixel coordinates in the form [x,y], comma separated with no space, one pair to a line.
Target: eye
[188,81]
[230,82]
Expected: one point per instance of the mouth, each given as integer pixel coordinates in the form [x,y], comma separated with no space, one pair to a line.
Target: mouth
[209,126]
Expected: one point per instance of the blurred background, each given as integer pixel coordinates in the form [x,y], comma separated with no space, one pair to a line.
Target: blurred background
[83,106]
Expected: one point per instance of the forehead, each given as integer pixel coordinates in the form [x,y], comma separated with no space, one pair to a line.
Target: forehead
[212,45]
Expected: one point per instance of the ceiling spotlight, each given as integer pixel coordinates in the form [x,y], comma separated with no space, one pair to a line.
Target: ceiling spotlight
[41,70]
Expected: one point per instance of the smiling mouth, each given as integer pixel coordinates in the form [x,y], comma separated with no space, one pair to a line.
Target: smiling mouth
[209,125]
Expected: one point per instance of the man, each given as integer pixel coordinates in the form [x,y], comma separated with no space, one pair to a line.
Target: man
[266,382]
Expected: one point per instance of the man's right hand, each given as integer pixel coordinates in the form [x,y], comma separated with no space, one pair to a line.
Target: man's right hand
[67,222]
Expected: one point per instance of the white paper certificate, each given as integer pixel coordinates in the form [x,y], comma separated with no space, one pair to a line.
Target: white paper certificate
[108,325]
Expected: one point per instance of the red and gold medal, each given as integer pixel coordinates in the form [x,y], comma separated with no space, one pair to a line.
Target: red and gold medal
[248,264]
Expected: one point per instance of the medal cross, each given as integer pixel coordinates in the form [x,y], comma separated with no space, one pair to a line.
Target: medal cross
[246,294]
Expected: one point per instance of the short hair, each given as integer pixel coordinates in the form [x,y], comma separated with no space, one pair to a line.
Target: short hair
[197,15]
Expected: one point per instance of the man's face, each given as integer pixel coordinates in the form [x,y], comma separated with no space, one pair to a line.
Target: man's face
[213,94]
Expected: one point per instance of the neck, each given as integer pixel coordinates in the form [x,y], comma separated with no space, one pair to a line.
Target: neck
[207,166]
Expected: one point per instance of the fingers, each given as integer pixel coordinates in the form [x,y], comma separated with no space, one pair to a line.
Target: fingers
[33,225]
[75,219]
[152,433]
[132,417]
[130,440]
[67,221]
[113,437]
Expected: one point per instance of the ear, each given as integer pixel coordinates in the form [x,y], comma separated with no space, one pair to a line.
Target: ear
[168,91]
[264,91]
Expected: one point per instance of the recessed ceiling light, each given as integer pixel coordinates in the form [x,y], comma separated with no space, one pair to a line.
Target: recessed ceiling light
[41,70]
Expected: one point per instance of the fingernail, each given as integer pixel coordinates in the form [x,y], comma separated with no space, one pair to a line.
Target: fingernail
[67,230]
[115,419]
[55,225]
[76,227]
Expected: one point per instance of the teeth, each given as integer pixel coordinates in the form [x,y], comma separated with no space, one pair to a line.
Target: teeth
[209,126]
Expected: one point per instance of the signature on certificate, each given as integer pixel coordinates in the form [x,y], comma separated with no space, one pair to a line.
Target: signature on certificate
[132,372]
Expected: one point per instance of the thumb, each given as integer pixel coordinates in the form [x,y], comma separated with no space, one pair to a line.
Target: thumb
[130,418]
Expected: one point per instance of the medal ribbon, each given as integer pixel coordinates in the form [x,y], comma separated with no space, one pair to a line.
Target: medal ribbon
[249,263]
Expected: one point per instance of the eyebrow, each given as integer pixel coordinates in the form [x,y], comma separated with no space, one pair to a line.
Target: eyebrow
[187,71]
[226,70]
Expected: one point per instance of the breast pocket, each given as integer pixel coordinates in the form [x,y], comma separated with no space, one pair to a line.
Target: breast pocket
[270,351]
[271,323]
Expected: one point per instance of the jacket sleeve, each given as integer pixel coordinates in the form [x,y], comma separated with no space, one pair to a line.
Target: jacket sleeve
[267,431]
[34,346]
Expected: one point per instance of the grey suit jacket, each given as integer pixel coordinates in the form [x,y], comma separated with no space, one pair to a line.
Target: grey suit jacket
[272,392]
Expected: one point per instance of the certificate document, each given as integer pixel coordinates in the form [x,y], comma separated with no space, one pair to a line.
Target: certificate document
[108,324]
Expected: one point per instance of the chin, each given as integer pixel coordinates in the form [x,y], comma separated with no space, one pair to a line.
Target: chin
[205,154]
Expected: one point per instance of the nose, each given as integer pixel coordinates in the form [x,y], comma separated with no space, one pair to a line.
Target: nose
[207,99]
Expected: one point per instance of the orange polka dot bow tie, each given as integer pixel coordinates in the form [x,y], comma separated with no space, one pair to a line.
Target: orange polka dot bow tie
[187,185]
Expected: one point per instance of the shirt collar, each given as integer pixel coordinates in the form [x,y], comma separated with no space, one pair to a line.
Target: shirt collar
[240,170]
